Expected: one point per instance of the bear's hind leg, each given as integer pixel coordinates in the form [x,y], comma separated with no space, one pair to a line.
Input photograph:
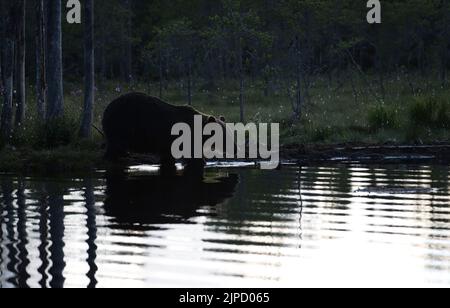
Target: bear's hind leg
[114,153]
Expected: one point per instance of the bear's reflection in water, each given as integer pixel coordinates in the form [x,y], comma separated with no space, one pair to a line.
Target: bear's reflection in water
[139,201]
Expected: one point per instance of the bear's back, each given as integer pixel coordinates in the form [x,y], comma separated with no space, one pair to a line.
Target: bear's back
[135,102]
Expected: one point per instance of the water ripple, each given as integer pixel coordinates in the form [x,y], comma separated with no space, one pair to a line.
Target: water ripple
[345,224]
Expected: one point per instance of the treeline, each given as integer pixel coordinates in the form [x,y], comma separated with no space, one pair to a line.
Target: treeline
[288,42]
[203,42]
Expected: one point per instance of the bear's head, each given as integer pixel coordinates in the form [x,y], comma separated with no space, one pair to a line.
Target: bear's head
[220,124]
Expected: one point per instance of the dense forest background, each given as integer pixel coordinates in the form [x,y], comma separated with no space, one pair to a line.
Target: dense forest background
[262,39]
[316,66]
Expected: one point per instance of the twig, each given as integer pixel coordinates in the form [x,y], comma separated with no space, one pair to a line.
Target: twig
[99,130]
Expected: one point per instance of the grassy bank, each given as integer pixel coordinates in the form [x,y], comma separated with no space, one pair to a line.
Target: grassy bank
[64,159]
[404,110]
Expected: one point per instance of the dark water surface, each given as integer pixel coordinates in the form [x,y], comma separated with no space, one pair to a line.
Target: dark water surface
[343,225]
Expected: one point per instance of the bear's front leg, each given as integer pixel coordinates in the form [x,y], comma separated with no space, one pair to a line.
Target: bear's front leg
[168,167]
[195,168]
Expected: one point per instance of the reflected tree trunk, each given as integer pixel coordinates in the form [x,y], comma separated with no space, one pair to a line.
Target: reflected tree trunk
[12,261]
[56,223]
[22,235]
[2,240]
[91,224]
[44,240]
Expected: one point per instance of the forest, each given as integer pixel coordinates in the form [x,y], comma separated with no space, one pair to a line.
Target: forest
[315,66]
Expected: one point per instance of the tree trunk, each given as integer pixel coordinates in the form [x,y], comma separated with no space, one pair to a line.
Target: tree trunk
[89,70]
[54,68]
[103,70]
[241,81]
[7,110]
[167,71]
[1,47]
[241,97]
[380,69]
[445,43]
[298,96]
[2,40]
[40,60]
[101,46]
[7,58]
[189,83]
[355,91]
[161,72]
[20,69]
[444,78]
[128,61]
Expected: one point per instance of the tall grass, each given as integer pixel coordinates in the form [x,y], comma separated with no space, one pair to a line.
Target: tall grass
[430,112]
[333,112]
[383,117]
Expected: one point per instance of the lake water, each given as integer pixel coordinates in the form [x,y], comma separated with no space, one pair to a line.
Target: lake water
[338,225]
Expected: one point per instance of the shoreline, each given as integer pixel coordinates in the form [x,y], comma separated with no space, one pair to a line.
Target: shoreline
[438,153]
[89,161]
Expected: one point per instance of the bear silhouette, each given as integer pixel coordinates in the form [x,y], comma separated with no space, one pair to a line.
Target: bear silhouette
[140,201]
[138,123]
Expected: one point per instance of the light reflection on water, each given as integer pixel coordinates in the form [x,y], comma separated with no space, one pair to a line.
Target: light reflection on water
[342,225]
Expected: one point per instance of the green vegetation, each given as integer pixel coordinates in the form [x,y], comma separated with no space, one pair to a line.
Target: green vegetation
[382,117]
[338,114]
[316,67]
[430,112]
[333,115]
[74,158]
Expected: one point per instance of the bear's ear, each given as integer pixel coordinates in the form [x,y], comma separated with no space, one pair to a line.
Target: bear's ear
[222,118]
[211,119]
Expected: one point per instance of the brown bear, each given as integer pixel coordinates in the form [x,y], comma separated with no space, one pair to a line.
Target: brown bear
[138,123]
